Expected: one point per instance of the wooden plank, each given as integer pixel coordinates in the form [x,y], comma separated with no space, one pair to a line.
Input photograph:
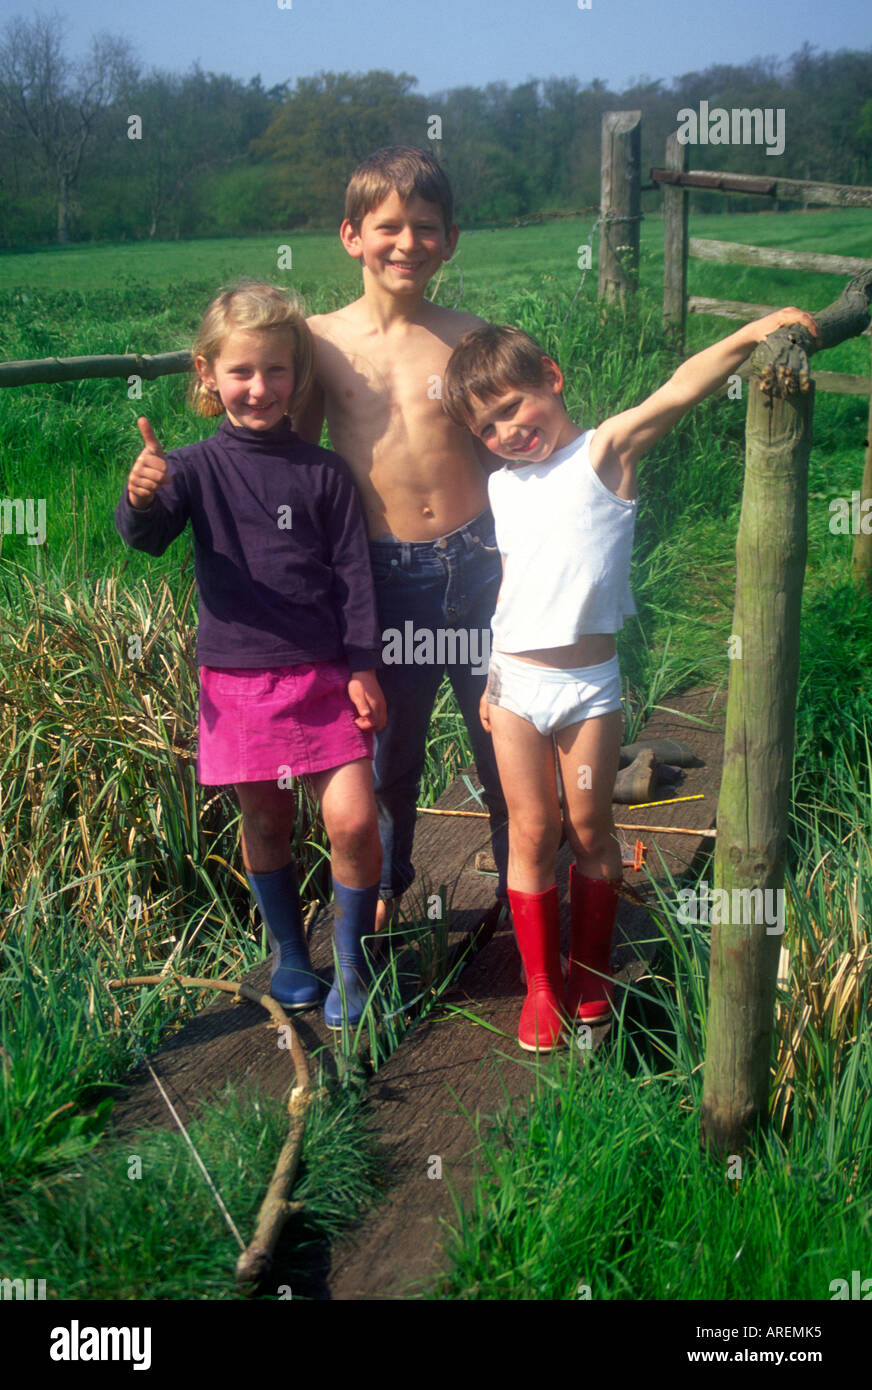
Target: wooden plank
[841,195]
[88,368]
[738,253]
[718,183]
[728,308]
[457,1061]
[804,191]
[842,383]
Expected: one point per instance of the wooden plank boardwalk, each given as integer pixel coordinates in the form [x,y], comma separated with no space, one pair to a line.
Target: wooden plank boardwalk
[450,1063]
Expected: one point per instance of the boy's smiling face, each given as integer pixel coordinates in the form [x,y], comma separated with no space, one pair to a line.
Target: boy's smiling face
[525,424]
[401,243]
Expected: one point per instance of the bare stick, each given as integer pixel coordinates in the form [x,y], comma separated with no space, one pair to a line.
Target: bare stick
[665,829]
[273,1007]
[255,1261]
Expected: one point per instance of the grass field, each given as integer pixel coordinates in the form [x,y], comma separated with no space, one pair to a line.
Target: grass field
[112,860]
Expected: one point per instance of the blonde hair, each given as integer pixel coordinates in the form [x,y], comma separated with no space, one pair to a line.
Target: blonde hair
[486,362]
[253,307]
[400,169]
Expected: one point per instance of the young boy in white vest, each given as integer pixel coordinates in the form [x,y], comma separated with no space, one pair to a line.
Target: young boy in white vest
[564,504]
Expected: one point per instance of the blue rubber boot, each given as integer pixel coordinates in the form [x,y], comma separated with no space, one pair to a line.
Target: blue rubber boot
[293,983]
[353,918]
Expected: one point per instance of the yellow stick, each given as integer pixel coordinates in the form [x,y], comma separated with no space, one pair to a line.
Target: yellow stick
[642,805]
[666,829]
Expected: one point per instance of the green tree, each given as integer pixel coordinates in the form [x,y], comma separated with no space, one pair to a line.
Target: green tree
[50,106]
[327,125]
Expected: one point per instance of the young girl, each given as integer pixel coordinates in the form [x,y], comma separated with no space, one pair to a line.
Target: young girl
[564,504]
[288,639]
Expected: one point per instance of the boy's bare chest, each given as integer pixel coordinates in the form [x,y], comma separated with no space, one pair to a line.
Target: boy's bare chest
[370,379]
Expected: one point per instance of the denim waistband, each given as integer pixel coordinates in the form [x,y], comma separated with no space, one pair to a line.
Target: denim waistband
[464,538]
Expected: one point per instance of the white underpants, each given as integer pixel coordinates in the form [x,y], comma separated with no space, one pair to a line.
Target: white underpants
[550,698]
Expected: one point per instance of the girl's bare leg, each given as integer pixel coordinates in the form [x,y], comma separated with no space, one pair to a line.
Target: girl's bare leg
[351,821]
[350,818]
[267,822]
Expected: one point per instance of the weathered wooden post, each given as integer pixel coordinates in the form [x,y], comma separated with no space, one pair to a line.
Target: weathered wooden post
[861,566]
[620,204]
[675,205]
[761,707]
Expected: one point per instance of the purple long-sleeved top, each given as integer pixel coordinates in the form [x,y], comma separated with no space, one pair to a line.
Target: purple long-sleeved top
[281,554]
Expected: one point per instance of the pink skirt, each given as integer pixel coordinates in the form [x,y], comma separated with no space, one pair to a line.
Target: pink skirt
[260,725]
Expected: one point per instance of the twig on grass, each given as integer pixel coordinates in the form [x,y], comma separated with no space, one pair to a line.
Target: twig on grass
[255,1260]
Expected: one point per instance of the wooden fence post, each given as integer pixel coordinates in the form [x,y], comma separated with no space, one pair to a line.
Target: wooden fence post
[861,566]
[758,760]
[675,206]
[620,204]
[761,707]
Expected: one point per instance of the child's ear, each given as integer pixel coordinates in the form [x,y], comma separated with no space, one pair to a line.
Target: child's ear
[205,373]
[350,238]
[451,240]
[552,377]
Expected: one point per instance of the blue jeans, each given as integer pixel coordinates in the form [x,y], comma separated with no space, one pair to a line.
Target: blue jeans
[435,603]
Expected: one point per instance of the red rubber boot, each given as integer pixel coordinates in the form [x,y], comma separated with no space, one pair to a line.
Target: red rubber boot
[594,904]
[537,928]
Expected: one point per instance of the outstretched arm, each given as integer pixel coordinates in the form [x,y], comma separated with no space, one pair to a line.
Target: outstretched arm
[620,442]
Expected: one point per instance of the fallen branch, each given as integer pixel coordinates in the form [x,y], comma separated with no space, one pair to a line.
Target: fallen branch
[255,1261]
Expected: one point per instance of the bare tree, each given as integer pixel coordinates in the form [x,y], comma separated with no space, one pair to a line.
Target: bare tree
[51,104]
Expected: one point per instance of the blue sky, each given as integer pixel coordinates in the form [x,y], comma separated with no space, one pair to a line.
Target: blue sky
[447,43]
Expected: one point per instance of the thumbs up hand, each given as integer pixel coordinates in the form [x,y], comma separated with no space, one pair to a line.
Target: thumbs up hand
[149,472]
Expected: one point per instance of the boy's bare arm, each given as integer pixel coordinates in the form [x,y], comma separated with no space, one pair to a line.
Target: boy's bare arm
[621,441]
[310,421]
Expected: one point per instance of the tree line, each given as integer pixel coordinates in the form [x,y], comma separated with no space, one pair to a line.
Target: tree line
[98,149]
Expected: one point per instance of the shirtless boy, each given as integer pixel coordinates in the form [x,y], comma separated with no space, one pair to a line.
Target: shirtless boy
[421,479]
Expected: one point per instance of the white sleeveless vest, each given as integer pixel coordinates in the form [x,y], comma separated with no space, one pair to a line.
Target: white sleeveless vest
[566,540]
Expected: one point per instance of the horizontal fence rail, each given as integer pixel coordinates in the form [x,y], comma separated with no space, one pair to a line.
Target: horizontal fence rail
[841,195]
[678,247]
[50,369]
[738,253]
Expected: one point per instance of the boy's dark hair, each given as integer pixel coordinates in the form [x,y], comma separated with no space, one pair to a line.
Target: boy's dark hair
[398,169]
[486,362]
